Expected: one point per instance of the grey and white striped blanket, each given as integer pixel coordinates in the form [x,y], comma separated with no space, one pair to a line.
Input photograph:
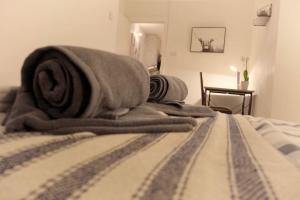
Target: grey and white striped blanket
[284,136]
[221,158]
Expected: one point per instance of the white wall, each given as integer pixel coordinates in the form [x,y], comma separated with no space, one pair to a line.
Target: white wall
[147,10]
[286,95]
[235,15]
[124,30]
[26,25]
[263,54]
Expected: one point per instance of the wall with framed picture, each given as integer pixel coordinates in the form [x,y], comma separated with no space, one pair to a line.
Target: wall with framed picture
[235,41]
[208,39]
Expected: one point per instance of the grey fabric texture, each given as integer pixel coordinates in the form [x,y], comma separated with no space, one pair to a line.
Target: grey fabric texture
[7,96]
[72,89]
[26,116]
[167,89]
[2,117]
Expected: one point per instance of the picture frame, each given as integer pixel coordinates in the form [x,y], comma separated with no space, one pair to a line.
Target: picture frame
[208,39]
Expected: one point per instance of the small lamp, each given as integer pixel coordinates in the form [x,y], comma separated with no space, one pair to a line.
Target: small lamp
[238,74]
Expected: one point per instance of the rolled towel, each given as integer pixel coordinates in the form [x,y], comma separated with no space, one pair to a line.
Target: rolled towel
[79,82]
[167,89]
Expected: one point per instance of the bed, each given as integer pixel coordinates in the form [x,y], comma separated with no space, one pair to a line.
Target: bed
[89,124]
[225,157]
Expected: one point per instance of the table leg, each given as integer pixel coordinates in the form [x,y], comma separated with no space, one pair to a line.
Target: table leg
[250,105]
[243,106]
[208,98]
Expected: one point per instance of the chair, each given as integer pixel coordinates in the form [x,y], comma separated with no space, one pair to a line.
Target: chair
[203,99]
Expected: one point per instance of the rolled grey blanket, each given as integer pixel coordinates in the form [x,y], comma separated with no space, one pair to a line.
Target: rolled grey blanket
[79,82]
[167,89]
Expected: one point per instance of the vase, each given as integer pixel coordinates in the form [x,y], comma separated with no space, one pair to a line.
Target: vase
[244,85]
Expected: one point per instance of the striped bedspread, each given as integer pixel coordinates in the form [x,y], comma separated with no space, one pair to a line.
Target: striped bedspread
[222,158]
[284,136]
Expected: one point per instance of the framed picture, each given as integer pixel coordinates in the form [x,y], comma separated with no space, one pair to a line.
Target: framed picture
[208,39]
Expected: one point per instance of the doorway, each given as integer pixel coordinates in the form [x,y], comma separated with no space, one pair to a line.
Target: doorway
[147,44]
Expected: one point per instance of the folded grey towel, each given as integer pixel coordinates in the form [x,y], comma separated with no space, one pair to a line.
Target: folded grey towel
[167,89]
[79,82]
[7,97]
[142,119]
[71,89]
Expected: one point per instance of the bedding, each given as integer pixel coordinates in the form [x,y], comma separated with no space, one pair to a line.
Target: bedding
[69,89]
[7,96]
[71,153]
[284,136]
[221,158]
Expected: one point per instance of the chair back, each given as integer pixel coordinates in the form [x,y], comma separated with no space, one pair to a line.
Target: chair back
[203,94]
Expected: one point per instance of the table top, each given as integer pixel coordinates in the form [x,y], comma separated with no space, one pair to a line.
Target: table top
[228,90]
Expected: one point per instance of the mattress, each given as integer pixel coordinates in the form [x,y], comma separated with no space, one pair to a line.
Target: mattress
[226,157]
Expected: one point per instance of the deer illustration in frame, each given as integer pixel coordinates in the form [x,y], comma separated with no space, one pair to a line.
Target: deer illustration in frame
[208,39]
